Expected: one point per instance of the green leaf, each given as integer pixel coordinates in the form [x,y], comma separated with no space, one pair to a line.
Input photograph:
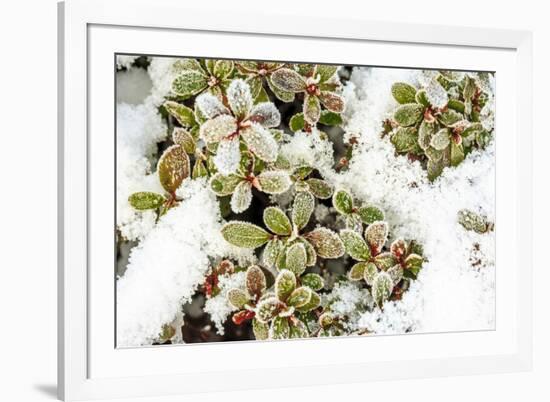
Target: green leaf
[385,261]
[288,80]
[302,208]
[343,202]
[168,332]
[470,89]
[279,328]
[326,71]
[298,329]
[441,139]
[310,251]
[224,185]
[376,235]
[414,261]
[472,221]
[280,263]
[326,320]
[296,258]
[302,172]
[285,96]
[370,273]
[457,105]
[223,68]
[382,288]
[146,200]
[408,114]
[312,109]
[300,297]
[244,234]
[357,271]
[435,168]
[267,309]
[320,188]
[260,329]
[404,139]
[313,303]
[173,167]
[355,246]
[285,284]
[184,115]
[313,281]
[329,118]
[370,214]
[421,98]
[237,298]
[457,153]
[473,129]
[199,169]
[403,92]
[333,102]
[271,252]
[450,117]
[277,221]
[255,281]
[189,83]
[255,84]
[297,122]
[274,181]
[327,243]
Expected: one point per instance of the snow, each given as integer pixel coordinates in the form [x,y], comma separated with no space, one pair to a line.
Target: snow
[169,264]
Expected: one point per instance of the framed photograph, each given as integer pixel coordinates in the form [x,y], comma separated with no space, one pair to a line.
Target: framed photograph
[324,201]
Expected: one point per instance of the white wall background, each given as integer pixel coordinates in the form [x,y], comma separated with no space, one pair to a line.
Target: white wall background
[28,199]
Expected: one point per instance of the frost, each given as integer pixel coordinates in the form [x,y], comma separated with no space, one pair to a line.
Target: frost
[125,61]
[349,300]
[228,156]
[218,306]
[168,265]
[309,149]
[210,106]
[436,94]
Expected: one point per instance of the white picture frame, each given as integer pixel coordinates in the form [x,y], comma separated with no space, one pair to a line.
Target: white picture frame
[91,367]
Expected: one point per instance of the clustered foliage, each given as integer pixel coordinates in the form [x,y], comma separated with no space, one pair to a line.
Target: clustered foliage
[227,127]
[444,120]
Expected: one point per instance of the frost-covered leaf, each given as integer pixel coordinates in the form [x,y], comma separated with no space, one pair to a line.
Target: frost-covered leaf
[313,303]
[279,328]
[329,118]
[214,130]
[184,115]
[470,88]
[310,251]
[450,117]
[435,168]
[404,139]
[242,197]
[297,122]
[376,235]
[296,258]
[184,138]
[210,106]
[382,288]
[425,133]
[189,83]
[355,246]
[168,332]
[327,243]
[320,188]
[298,329]
[223,68]
[421,98]
[408,114]
[396,274]
[333,102]
[228,156]
[242,316]
[255,281]
[302,208]
[414,262]
[472,221]
[266,114]
[239,98]
[326,71]
[274,181]
[260,329]
[441,139]
[457,105]
[271,252]
[285,283]
[173,167]
[472,129]
[403,92]
[457,153]
[261,142]
[357,271]
[398,248]
[343,202]
[237,298]
[224,185]
[370,273]
[313,281]
[312,109]
[436,94]
[385,261]
[277,221]
[146,200]
[302,172]
[267,309]
[370,214]
[288,80]
[285,96]
[300,297]
[326,320]
[244,234]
